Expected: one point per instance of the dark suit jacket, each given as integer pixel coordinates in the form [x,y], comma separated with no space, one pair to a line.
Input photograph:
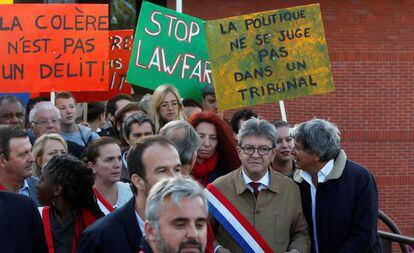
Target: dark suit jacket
[33,182]
[21,228]
[116,232]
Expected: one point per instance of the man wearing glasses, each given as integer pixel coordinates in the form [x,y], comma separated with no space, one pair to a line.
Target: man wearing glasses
[44,118]
[11,111]
[269,201]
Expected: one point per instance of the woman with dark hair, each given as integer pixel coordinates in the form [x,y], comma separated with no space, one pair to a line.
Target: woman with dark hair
[217,154]
[65,190]
[103,156]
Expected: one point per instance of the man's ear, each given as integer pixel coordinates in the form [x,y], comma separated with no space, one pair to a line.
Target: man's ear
[316,158]
[3,161]
[138,182]
[150,232]
[192,162]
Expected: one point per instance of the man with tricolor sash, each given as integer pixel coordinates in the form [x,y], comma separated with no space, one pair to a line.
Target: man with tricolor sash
[256,209]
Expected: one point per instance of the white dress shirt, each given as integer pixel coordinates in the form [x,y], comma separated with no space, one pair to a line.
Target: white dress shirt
[264,181]
[322,174]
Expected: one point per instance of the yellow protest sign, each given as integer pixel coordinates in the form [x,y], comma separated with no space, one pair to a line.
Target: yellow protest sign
[6,1]
[269,56]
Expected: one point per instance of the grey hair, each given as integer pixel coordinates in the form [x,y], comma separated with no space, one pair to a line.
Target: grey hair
[257,127]
[176,188]
[43,105]
[185,138]
[145,102]
[320,137]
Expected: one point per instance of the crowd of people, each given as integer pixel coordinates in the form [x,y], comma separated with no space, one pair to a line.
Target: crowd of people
[165,174]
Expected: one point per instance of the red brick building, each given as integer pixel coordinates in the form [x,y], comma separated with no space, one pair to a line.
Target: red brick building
[371,48]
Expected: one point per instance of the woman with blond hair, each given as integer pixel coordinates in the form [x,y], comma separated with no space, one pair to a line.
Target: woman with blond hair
[166,106]
[46,147]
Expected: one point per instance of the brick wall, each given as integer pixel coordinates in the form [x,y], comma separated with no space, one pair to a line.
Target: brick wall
[371,47]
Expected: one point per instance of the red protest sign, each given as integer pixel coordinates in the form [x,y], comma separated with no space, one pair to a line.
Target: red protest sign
[120,44]
[53,47]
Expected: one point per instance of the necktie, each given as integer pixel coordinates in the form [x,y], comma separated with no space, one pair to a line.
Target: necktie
[255,187]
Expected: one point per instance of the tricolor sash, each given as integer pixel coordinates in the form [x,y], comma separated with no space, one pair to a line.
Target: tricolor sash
[234,222]
[103,204]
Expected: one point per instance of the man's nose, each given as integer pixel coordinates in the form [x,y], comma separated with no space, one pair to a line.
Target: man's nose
[256,153]
[191,232]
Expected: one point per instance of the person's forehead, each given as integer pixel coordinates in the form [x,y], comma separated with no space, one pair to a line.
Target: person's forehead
[205,126]
[145,126]
[65,101]
[282,132]
[188,209]
[122,102]
[9,105]
[108,149]
[53,144]
[160,156]
[169,96]
[255,139]
[47,113]
[16,144]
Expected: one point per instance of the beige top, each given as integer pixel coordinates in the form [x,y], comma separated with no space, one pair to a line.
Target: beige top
[276,214]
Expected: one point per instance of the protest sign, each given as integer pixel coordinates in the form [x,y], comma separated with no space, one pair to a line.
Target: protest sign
[169,47]
[6,1]
[53,47]
[268,56]
[120,45]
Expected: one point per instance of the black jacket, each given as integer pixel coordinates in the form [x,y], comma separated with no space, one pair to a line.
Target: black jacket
[21,228]
[116,232]
[346,209]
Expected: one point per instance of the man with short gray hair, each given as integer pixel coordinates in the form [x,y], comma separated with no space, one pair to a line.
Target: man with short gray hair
[339,196]
[269,201]
[176,216]
[44,118]
[186,140]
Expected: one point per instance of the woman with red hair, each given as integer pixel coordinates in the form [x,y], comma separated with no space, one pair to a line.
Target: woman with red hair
[217,154]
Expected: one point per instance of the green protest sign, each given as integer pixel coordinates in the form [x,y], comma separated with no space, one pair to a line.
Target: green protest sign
[269,56]
[169,47]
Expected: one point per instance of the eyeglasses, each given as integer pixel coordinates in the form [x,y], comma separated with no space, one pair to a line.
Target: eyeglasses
[46,122]
[10,115]
[262,150]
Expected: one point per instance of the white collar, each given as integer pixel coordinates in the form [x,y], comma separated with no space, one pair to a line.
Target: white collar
[141,223]
[322,174]
[25,185]
[263,181]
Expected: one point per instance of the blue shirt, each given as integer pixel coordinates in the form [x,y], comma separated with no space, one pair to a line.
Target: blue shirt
[25,189]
